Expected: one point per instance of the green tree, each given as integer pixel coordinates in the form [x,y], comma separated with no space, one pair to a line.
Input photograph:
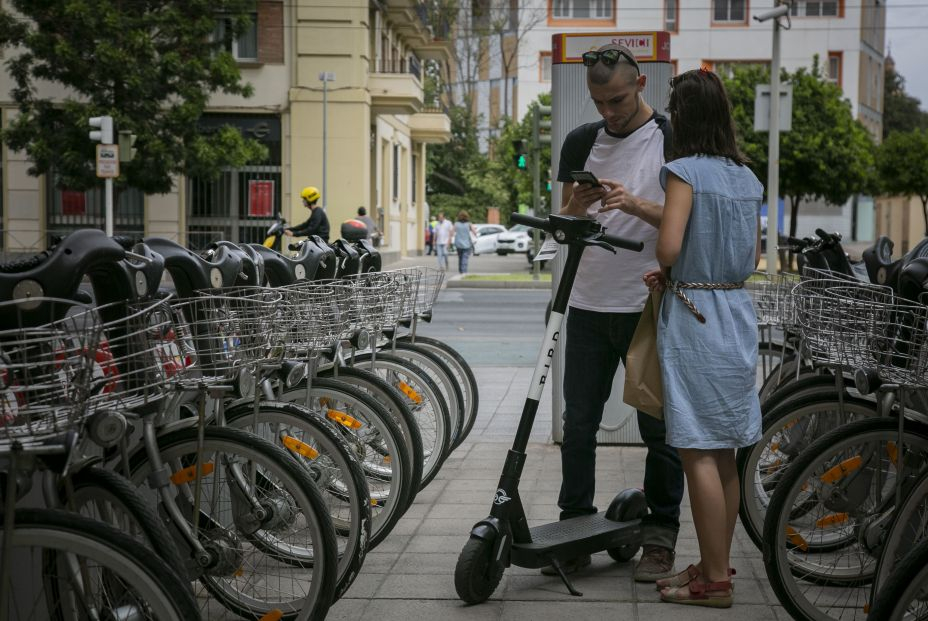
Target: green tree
[152,66]
[827,154]
[903,166]
[901,112]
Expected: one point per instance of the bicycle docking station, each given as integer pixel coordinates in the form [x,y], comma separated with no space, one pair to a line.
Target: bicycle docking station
[504,537]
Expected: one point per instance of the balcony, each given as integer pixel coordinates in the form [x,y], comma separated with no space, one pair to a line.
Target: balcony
[395,86]
[430,125]
[410,19]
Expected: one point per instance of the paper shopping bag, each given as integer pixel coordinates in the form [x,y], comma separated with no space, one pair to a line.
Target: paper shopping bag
[644,389]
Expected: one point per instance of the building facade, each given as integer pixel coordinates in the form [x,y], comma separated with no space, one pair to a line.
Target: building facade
[360,135]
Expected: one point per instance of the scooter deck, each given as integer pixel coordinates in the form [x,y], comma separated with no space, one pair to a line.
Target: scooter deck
[566,539]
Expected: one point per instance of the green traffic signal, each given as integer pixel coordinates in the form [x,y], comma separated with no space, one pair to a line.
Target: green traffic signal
[522,162]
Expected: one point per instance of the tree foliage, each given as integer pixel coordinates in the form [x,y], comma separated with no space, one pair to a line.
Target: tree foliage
[903,166]
[827,155]
[152,66]
[901,111]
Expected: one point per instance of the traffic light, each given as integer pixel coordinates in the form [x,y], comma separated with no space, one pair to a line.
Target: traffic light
[104,132]
[127,148]
[520,157]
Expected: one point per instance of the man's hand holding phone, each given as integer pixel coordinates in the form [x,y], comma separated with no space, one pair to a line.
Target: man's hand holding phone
[587,189]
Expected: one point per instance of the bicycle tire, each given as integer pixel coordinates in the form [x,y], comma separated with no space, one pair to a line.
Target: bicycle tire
[762,464]
[224,581]
[334,469]
[428,408]
[441,374]
[909,528]
[909,583]
[395,403]
[124,562]
[96,484]
[388,477]
[462,369]
[817,384]
[794,560]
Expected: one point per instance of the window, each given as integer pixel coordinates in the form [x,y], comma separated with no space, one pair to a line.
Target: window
[671,16]
[729,11]
[245,46]
[581,9]
[834,67]
[396,172]
[816,8]
[544,66]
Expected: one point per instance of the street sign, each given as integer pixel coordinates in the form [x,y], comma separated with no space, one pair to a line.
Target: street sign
[762,107]
[107,161]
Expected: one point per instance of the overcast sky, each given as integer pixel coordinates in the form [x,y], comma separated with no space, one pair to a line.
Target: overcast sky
[907,40]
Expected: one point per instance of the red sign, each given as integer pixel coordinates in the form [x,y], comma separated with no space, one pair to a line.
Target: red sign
[647,46]
[260,198]
[73,203]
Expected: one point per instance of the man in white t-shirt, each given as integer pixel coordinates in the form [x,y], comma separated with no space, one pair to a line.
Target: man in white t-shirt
[625,151]
[442,240]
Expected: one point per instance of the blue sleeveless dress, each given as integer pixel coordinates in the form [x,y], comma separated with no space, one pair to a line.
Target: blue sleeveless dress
[709,369]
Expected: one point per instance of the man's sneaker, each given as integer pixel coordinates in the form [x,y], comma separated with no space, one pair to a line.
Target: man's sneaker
[569,567]
[656,562]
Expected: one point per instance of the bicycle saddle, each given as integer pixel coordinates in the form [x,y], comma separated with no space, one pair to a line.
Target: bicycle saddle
[55,273]
[191,272]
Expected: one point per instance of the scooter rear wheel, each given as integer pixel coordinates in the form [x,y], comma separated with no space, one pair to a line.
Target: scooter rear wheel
[476,575]
[626,506]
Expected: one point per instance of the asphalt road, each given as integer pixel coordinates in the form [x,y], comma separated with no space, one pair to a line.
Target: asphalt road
[498,327]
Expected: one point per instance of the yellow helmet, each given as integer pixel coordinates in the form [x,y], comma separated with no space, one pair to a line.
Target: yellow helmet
[310,194]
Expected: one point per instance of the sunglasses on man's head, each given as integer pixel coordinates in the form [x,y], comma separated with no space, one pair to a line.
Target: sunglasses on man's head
[608,58]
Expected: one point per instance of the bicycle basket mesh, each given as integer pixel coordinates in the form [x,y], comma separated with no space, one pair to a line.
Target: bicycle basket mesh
[773,299]
[314,315]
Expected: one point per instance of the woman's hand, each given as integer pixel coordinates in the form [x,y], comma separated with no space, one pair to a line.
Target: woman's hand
[656,280]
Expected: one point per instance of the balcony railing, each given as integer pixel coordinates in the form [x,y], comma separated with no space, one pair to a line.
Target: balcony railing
[410,65]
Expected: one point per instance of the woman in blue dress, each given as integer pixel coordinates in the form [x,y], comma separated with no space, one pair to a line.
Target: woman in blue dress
[708,245]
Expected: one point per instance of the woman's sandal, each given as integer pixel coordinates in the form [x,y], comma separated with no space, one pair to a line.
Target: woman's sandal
[699,593]
[684,578]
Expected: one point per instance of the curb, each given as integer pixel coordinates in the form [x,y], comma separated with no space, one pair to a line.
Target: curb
[498,284]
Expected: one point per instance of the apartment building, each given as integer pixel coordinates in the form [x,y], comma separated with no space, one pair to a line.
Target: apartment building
[361,135]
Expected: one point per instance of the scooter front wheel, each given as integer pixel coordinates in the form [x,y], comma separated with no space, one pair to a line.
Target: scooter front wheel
[476,575]
[626,506]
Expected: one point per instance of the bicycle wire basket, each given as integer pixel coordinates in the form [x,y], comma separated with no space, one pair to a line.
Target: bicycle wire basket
[773,299]
[899,347]
[428,283]
[314,315]
[378,299]
[231,330]
[46,371]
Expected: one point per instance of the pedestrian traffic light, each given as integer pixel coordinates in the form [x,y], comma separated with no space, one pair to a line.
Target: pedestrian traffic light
[520,157]
[127,148]
[104,132]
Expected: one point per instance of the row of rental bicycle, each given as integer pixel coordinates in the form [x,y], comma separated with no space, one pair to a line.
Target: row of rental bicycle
[835,494]
[213,435]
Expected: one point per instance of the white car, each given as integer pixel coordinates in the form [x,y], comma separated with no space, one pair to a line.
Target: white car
[486,237]
[516,239]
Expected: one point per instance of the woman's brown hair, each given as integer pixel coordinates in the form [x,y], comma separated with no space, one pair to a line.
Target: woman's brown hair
[463,216]
[701,118]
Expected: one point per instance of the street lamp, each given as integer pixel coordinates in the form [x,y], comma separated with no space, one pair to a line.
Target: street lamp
[773,150]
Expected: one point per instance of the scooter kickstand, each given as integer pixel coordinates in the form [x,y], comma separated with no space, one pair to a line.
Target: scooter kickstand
[560,571]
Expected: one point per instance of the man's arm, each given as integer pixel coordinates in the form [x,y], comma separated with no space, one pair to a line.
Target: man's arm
[576,198]
[310,227]
[618,198]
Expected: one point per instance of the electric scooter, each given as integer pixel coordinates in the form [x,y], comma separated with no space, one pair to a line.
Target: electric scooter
[504,538]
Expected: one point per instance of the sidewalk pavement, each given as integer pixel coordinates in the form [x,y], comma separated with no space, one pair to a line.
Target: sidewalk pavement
[411,574]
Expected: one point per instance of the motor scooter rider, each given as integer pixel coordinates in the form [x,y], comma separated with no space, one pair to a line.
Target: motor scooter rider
[318,222]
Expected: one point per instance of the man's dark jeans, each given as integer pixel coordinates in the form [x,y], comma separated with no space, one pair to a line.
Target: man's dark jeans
[596,342]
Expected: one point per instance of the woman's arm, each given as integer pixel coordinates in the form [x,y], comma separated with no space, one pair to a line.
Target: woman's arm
[678,203]
[757,249]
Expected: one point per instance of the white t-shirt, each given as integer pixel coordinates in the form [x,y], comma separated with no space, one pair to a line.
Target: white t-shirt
[606,282]
[443,232]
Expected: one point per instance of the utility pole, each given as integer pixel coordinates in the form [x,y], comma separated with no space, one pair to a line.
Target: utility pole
[326,77]
[541,120]
[107,162]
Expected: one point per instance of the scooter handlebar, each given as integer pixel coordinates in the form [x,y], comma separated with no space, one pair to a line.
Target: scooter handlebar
[532,221]
[621,242]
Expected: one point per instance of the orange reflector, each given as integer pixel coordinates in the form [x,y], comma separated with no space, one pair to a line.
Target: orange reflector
[344,419]
[387,459]
[300,448]
[238,572]
[893,451]
[796,539]
[836,473]
[407,390]
[188,474]
[831,520]
[273,615]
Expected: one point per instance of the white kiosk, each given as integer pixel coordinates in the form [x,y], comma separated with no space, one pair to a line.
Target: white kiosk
[571,106]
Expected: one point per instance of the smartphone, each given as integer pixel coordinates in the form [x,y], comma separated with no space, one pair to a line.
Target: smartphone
[584,176]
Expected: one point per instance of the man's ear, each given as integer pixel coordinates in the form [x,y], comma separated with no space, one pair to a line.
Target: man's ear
[642,80]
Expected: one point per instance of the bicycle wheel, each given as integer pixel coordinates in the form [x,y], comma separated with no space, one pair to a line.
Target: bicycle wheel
[909,528]
[441,374]
[787,431]
[770,355]
[822,532]
[905,596]
[333,467]
[464,374]
[258,510]
[819,384]
[68,566]
[377,442]
[424,400]
[395,403]
[105,496]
